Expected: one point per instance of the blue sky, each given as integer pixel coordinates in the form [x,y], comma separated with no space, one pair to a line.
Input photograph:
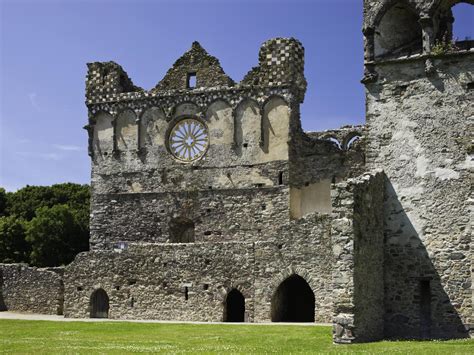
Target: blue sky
[45,45]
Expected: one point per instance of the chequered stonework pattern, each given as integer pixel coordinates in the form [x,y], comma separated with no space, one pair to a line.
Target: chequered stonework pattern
[283,58]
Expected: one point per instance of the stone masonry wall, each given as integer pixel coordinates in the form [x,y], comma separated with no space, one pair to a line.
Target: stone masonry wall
[149,281]
[31,289]
[333,155]
[418,131]
[239,184]
[357,244]
[219,215]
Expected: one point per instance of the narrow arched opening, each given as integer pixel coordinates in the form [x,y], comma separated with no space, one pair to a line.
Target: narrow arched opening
[351,139]
[247,128]
[453,26]
[99,304]
[463,28]
[181,230]
[293,301]
[398,33]
[234,307]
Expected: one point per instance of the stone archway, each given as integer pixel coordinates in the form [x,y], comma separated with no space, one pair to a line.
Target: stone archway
[234,307]
[293,301]
[99,304]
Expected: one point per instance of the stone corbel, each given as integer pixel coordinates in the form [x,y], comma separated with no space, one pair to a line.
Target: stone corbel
[369,44]
[370,74]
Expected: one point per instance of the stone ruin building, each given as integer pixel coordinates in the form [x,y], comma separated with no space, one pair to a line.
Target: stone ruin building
[210,203]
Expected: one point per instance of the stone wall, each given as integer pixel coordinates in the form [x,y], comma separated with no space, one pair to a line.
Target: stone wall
[241,182]
[31,289]
[191,281]
[333,155]
[218,215]
[357,244]
[418,131]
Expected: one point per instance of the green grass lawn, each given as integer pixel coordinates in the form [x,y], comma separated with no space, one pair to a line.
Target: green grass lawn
[21,336]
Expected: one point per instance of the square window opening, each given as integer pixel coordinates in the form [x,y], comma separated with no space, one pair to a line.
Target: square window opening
[191,81]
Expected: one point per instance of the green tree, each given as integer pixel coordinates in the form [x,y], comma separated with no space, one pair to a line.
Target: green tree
[13,246]
[3,201]
[56,235]
[24,202]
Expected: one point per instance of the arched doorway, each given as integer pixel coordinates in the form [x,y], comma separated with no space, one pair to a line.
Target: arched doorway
[293,301]
[234,308]
[99,304]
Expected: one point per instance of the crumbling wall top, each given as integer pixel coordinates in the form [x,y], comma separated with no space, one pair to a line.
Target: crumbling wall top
[281,62]
[107,78]
[195,62]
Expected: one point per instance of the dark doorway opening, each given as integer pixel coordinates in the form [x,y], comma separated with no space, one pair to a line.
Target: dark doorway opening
[181,230]
[99,304]
[293,301]
[425,309]
[234,308]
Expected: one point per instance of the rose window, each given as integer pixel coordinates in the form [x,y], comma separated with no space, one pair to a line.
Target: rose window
[189,140]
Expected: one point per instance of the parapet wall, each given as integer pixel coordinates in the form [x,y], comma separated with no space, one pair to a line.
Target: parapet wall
[358,245]
[31,289]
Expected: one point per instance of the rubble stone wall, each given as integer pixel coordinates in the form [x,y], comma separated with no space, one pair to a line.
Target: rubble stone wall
[357,244]
[418,131]
[218,215]
[152,281]
[31,289]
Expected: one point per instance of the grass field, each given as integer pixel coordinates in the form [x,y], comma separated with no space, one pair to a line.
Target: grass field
[21,336]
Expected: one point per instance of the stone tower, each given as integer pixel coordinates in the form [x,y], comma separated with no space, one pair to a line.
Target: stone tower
[419,93]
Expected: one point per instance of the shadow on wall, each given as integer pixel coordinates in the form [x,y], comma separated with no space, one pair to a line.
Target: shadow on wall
[416,305]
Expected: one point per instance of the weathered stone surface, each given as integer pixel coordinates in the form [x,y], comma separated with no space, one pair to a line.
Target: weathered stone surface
[199,63]
[385,253]
[31,289]
[358,245]
[418,131]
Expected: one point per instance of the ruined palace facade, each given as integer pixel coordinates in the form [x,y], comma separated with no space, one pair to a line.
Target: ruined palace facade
[210,202]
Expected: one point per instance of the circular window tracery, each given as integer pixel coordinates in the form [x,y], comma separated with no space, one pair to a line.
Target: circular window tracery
[188,140]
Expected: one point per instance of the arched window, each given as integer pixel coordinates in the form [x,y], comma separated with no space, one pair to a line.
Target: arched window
[293,301]
[234,307]
[221,122]
[181,230]
[126,131]
[103,142]
[351,139]
[247,128]
[275,127]
[453,26]
[99,304]
[153,126]
[398,33]
[335,141]
[463,26]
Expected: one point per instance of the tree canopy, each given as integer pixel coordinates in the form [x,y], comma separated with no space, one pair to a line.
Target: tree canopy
[44,225]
